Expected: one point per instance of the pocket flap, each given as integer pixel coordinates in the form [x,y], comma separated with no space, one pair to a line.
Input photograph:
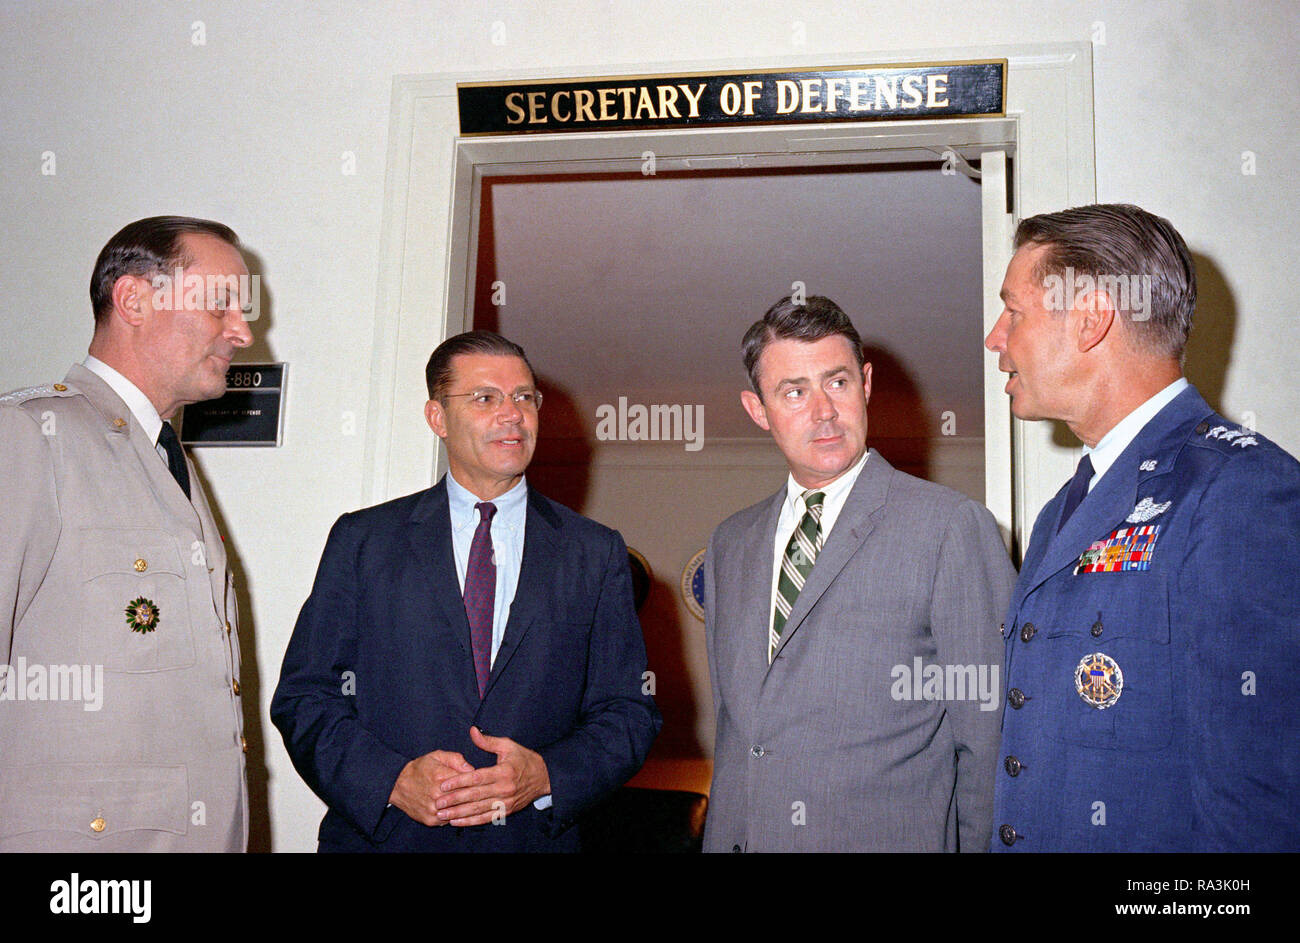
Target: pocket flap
[93,799]
[128,550]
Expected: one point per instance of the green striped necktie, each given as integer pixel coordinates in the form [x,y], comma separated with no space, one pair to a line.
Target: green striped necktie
[800,555]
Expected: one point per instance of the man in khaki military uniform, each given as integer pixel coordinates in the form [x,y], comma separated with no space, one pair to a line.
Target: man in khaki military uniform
[121,726]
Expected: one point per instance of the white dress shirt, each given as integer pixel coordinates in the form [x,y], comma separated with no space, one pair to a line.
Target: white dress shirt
[145,415]
[1113,443]
[793,510]
[507,534]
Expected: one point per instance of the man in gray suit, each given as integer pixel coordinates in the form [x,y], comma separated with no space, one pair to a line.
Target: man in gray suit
[121,726]
[852,625]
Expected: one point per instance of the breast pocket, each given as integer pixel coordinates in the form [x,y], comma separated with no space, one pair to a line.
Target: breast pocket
[1109,654]
[135,604]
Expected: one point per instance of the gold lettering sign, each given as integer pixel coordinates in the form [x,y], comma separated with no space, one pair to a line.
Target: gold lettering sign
[937,90]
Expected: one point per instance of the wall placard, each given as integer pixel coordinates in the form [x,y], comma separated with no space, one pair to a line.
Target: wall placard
[251,412]
[625,103]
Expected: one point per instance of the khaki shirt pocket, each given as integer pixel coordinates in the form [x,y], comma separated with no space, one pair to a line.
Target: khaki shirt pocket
[135,602]
[94,799]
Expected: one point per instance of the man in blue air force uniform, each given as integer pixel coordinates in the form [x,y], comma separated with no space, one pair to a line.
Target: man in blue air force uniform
[1153,654]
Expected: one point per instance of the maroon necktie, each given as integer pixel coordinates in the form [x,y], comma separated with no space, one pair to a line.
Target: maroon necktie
[480,593]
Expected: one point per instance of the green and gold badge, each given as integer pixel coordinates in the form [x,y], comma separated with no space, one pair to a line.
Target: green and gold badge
[142,615]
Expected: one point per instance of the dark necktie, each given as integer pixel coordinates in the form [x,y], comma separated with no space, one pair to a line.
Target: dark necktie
[480,594]
[1078,489]
[175,456]
[797,562]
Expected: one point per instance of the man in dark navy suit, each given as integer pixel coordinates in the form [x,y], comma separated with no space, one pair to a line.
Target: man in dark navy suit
[468,672]
[1153,638]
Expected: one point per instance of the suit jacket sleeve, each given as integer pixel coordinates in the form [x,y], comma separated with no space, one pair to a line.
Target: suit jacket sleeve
[618,721]
[1238,598]
[29,526]
[972,587]
[349,768]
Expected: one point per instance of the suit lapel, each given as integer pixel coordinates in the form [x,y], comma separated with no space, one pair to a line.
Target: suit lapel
[1108,503]
[537,573]
[1113,498]
[747,654]
[855,523]
[130,439]
[434,564]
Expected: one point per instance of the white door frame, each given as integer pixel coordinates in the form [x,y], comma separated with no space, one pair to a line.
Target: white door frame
[430,227]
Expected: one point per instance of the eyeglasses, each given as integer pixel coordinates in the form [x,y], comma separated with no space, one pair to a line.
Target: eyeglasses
[490,400]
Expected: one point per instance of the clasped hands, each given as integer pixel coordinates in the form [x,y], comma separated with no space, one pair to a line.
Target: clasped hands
[442,788]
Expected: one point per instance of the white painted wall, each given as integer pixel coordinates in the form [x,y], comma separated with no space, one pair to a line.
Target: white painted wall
[252,127]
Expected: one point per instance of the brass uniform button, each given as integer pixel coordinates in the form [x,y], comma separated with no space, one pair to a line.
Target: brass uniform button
[1013,766]
[243,744]
[59,387]
[1096,629]
[227,628]
[119,422]
[234,686]
[1007,834]
[1027,631]
[98,824]
[141,565]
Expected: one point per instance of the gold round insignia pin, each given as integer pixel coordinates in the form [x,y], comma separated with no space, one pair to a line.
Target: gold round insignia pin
[142,615]
[1098,680]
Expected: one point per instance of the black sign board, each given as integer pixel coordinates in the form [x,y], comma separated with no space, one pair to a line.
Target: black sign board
[250,413]
[624,102]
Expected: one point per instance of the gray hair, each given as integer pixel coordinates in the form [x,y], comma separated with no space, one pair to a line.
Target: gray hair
[1118,244]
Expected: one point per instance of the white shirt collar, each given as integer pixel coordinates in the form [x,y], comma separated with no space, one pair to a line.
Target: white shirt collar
[835,494]
[461,503]
[1113,443]
[145,415]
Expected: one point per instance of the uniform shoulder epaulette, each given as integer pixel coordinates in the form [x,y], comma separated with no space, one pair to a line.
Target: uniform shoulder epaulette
[46,391]
[1227,436]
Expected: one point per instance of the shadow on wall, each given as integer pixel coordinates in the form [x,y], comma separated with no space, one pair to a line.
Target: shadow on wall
[1213,328]
[898,424]
[250,693]
[561,467]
